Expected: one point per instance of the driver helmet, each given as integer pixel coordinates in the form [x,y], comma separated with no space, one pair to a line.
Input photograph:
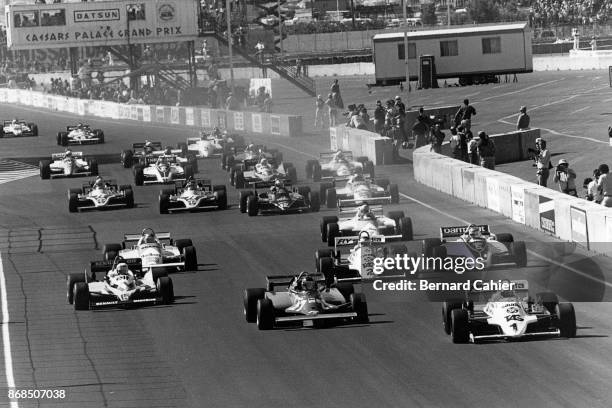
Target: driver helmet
[98,182]
[168,150]
[216,130]
[307,282]
[339,155]
[279,184]
[122,268]
[68,153]
[364,236]
[473,231]
[363,210]
[250,147]
[14,122]
[357,177]
[263,162]
[190,184]
[149,238]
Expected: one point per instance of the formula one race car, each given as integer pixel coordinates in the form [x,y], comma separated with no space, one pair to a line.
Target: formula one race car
[262,174]
[307,299]
[214,143]
[193,195]
[249,156]
[393,226]
[155,251]
[80,134]
[279,200]
[359,190]
[124,284]
[18,127]
[163,169]
[476,241]
[68,164]
[510,313]
[338,166]
[144,152]
[352,258]
[99,195]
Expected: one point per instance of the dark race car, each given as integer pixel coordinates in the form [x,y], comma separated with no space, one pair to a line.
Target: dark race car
[338,166]
[193,195]
[249,156]
[281,200]
[304,299]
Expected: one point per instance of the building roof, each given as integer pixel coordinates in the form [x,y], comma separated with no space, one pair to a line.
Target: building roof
[458,31]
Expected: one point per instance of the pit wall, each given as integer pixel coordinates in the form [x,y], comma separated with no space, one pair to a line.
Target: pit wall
[249,122]
[565,217]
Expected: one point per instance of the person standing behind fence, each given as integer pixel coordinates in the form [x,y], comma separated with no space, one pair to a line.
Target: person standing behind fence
[566,178]
[605,185]
[472,150]
[436,139]
[421,128]
[332,109]
[455,144]
[486,151]
[465,136]
[593,193]
[542,161]
[465,112]
[379,117]
[335,91]
[523,120]
[320,112]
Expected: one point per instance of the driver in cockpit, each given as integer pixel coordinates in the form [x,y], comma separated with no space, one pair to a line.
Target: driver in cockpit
[339,157]
[121,269]
[278,188]
[364,213]
[263,165]
[148,238]
[304,283]
[472,234]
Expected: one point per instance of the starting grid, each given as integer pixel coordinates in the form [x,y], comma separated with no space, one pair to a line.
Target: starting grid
[11,170]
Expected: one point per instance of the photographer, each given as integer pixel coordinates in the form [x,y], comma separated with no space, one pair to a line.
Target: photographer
[566,178]
[605,185]
[486,151]
[541,157]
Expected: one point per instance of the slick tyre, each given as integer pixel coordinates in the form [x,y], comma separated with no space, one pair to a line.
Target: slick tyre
[265,314]
[72,280]
[460,331]
[447,307]
[324,222]
[165,289]
[191,259]
[81,296]
[110,251]
[333,231]
[566,319]
[359,306]
[251,296]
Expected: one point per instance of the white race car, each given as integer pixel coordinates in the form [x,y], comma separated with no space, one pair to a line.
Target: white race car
[17,128]
[213,143]
[80,134]
[393,226]
[338,166]
[193,195]
[359,190]
[259,176]
[71,165]
[108,195]
[118,287]
[163,169]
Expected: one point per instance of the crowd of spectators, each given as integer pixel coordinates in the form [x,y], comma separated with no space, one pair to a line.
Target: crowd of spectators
[576,12]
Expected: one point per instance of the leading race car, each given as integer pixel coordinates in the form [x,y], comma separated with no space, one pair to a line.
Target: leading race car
[395,225]
[100,194]
[262,174]
[80,134]
[17,128]
[155,251]
[214,143]
[249,156]
[147,151]
[476,241]
[510,314]
[359,190]
[279,199]
[68,164]
[124,284]
[164,169]
[338,166]
[193,195]
[352,258]
[305,299]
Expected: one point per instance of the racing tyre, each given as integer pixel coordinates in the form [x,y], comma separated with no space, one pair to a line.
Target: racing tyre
[368,168]
[277,157]
[242,200]
[504,238]
[383,182]
[239,179]
[72,280]
[316,172]
[232,177]
[110,251]
[323,187]
[188,171]
[439,252]
[165,289]
[221,199]
[292,174]
[73,202]
[309,168]
[394,193]
[81,296]
[314,201]
[223,160]
[45,169]
[326,220]
[447,308]
[265,314]
[519,252]
[64,139]
[158,273]
[164,203]
[359,305]
[333,231]
[127,158]
[129,196]
[251,296]
[429,244]
[405,228]
[182,243]
[93,167]
[460,330]
[549,301]
[138,175]
[252,207]
[326,267]
[182,147]
[567,319]
[320,254]
[34,128]
[100,135]
[331,198]
[191,259]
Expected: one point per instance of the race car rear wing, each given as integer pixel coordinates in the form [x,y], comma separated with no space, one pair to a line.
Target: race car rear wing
[136,237]
[285,280]
[351,202]
[352,241]
[156,145]
[450,232]
[134,264]
[73,127]
[376,209]
[59,156]
[327,156]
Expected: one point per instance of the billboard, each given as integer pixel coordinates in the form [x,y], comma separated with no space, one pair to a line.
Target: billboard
[62,25]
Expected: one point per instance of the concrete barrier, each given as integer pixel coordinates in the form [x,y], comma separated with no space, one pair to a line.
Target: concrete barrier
[375,147]
[249,122]
[568,218]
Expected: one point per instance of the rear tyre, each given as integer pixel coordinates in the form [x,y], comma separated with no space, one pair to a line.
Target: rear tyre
[188,171]
[460,331]
[519,252]
[309,168]
[359,305]
[73,203]
[320,254]
[71,280]
[447,308]
[316,172]
[93,167]
[165,289]
[331,199]
[191,258]
[129,197]
[45,169]
[239,181]
[221,199]
[323,187]
[405,228]
[549,300]
[314,201]
[251,296]
[242,203]
[110,251]
[164,203]
[326,220]
[292,174]
[429,244]
[127,158]
[182,243]
[567,319]
[368,168]
[81,296]
[252,207]
[138,175]
[333,231]
[265,314]
[507,238]
[394,193]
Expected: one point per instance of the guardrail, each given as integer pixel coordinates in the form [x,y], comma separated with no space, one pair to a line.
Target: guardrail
[241,121]
[568,218]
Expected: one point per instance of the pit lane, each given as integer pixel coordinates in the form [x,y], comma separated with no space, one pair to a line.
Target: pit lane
[200,351]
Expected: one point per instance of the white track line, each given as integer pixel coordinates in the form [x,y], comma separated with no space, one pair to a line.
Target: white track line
[522,89]
[579,110]
[6,338]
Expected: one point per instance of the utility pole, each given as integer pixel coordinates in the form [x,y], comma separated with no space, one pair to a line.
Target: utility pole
[280,28]
[228,13]
[406,45]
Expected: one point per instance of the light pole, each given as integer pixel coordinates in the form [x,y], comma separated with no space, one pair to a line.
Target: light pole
[229,41]
[406,44]
[280,28]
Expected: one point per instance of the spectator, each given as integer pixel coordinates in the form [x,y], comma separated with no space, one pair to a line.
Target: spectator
[379,117]
[465,135]
[465,112]
[566,178]
[604,184]
[523,119]
[320,112]
[335,91]
[472,149]
[455,144]
[436,139]
[333,110]
[268,103]
[486,151]
[259,51]
[421,128]
[593,193]
[542,161]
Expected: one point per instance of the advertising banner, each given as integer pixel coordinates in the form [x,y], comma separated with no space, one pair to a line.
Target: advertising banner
[333,141]
[547,214]
[493,194]
[518,204]
[579,225]
[174,116]
[222,119]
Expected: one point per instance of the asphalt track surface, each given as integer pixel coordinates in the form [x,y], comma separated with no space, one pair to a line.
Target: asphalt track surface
[200,352]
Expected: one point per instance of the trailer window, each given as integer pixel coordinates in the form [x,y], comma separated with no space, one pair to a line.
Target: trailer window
[491,45]
[26,18]
[449,48]
[53,18]
[411,51]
